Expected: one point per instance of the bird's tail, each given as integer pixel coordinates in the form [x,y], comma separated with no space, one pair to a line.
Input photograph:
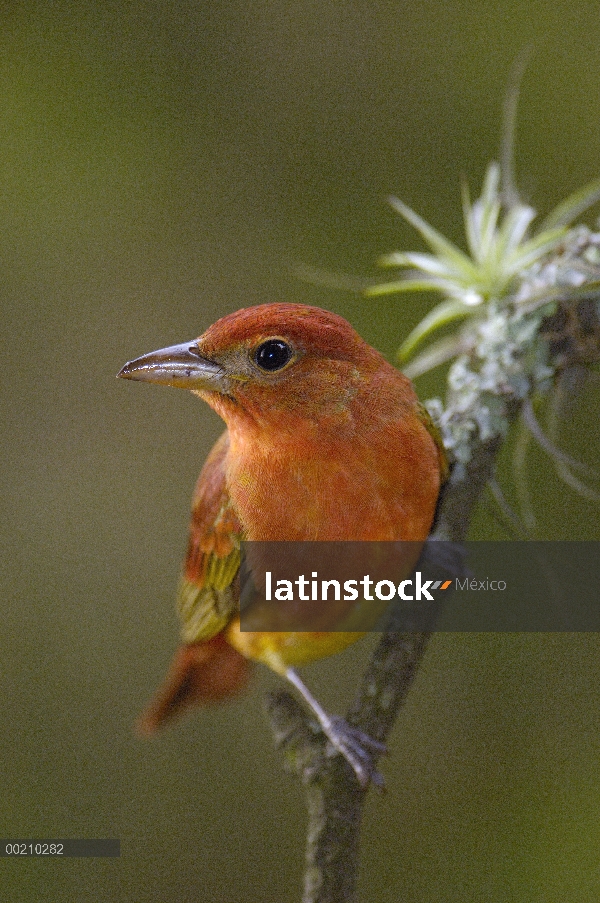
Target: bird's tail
[200,674]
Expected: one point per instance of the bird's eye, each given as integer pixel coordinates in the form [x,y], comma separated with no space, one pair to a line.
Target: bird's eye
[272,355]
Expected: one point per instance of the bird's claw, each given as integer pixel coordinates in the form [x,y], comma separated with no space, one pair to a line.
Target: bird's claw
[359,750]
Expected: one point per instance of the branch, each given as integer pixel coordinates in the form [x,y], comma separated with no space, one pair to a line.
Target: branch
[334,798]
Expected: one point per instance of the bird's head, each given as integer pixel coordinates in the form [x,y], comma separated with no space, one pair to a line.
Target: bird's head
[266,361]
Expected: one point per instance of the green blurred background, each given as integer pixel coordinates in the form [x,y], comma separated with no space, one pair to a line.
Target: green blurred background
[160,166]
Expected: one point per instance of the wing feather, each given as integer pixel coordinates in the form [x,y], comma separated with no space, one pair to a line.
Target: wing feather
[208,591]
[205,668]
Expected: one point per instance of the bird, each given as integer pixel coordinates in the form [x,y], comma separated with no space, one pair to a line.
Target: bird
[325,441]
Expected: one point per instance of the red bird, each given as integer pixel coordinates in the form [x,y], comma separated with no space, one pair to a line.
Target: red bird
[325,440]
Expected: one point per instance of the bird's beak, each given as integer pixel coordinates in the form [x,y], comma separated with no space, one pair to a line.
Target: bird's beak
[180,365]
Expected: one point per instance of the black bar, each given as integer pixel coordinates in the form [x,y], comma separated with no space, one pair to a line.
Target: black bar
[57,849]
[480,586]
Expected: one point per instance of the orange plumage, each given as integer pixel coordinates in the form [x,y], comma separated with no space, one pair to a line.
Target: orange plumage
[325,440]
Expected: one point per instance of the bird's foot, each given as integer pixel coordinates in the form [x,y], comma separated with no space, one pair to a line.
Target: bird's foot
[359,749]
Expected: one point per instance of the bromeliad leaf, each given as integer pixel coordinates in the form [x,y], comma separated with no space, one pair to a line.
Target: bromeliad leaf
[503,257]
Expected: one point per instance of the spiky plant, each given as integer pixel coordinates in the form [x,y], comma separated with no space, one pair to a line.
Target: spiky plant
[505,310]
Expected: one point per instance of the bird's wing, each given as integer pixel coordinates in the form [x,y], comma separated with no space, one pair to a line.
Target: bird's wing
[208,591]
[205,668]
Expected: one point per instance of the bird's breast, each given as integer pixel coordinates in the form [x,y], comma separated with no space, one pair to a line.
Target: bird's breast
[304,487]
